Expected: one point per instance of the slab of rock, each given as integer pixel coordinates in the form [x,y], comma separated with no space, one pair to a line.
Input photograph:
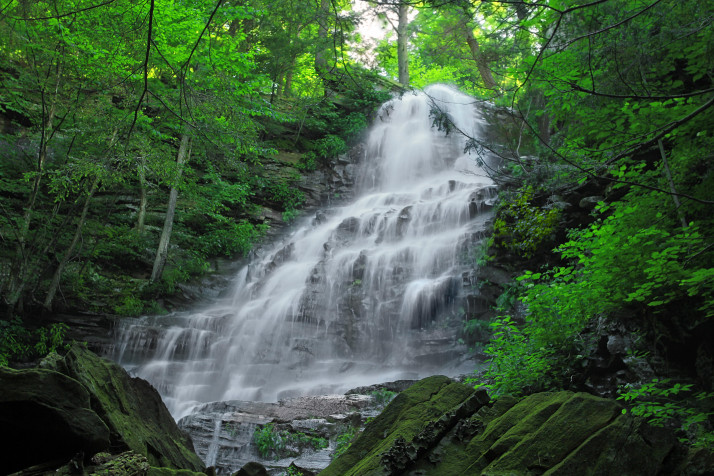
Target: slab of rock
[223,432]
[439,427]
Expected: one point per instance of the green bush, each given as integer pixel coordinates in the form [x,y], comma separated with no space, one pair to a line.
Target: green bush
[268,441]
[229,238]
[131,306]
[521,227]
[344,440]
[301,439]
[19,343]
[271,442]
[476,327]
[51,338]
[633,257]
[663,403]
[330,147]
[284,193]
[383,396]
[307,162]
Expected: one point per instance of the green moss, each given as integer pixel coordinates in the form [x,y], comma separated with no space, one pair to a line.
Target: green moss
[560,433]
[128,463]
[522,419]
[460,451]
[133,410]
[541,430]
[402,419]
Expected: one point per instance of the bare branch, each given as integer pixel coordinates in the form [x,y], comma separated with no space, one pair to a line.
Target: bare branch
[62,15]
[146,69]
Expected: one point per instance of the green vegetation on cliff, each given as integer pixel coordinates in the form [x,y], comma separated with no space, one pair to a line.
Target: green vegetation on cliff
[138,142]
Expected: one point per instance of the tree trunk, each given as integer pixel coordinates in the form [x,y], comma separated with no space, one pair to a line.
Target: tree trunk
[19,269]
[321,52]
[543,120]
[288,89]
[672,188]
[481,62]
[402,44]
[143,199]
[54,284]
[163,249]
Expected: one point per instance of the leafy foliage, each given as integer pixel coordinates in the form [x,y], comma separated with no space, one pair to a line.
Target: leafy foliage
[521,227]
[94,102]
[663,403]
[268,441]
[272,442]
[344,440]
[17,343]
[620,111]
[383,396]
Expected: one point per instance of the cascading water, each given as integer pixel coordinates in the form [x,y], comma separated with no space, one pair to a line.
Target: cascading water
[359,295]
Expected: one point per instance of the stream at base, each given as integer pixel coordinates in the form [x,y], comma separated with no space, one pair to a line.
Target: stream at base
[359,294]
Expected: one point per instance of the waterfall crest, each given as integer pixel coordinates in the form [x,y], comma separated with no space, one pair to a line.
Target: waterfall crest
[365,292]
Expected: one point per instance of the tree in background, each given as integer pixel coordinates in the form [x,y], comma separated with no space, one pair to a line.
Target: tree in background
[96,101]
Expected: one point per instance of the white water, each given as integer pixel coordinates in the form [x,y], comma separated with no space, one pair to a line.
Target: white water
[362,297]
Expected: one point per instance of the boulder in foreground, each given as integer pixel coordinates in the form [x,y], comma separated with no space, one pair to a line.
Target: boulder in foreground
[74,407]
[440,427]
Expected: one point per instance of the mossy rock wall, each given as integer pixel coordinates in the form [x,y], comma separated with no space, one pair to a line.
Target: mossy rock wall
[439,427]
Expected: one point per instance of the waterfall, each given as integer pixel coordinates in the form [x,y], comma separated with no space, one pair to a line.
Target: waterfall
[363,293]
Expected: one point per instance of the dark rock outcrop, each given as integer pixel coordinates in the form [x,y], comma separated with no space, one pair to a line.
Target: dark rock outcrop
[252,469]
[81,405]
[133,411]
[440,427]
[46,416]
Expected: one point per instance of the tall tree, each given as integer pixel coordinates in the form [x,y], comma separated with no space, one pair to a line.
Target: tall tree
[396,14]
[162,250]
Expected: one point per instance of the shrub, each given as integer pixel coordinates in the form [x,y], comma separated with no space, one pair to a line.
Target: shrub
[663,403]
[19,343]
[268,441]
[330,146]
[521,227]
[344,440]
[130,306]
[383,396]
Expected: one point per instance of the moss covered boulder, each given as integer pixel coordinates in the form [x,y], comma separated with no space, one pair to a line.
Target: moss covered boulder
[389,442]
[439,427]
[75,407]
[46,416]
[133,410]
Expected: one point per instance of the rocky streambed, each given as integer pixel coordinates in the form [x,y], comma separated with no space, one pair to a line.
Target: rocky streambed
[303,432]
